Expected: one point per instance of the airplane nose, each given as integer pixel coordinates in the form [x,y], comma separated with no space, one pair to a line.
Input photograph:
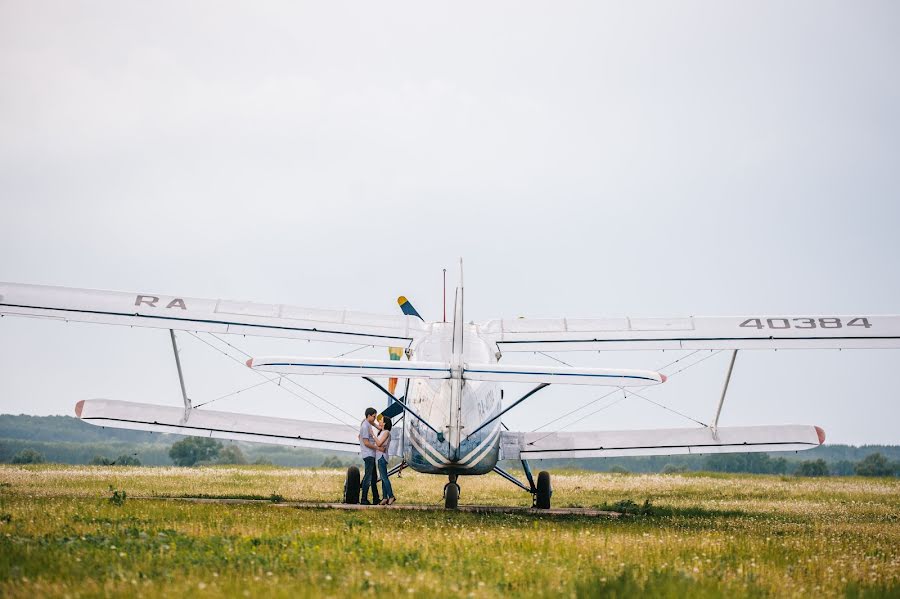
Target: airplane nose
[664,378]
[250,363]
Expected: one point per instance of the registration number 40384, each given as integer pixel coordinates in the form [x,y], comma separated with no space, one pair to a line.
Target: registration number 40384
[804,323]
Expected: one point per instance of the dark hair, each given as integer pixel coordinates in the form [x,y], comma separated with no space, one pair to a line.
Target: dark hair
[387,423]
[371,412]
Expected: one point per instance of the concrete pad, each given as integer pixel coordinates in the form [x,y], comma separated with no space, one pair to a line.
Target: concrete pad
[477,509]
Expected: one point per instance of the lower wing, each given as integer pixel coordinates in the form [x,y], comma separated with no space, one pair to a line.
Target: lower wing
[674,441]
[218,425]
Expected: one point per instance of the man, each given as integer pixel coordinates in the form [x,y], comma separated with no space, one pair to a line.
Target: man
[367,451]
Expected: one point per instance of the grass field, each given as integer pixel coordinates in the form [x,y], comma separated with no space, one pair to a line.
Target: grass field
[704,536]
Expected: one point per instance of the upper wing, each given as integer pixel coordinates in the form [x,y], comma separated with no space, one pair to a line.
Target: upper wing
[218,425]
[214,316]
[674,441]
[697,332]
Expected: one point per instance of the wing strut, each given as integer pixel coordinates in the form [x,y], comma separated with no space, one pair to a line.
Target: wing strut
[715,425]
[514,404]
[187,401]
[406,408]
[511,478]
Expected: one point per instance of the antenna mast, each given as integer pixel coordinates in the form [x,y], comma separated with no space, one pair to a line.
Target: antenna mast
[445,295]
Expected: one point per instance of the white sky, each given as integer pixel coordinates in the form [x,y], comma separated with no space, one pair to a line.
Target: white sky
[586,159]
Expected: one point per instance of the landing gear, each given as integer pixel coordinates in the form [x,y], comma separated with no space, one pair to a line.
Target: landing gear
[451,493]
[543,491]
[351,486]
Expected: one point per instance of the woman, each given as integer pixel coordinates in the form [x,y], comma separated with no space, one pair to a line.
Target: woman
[382,447]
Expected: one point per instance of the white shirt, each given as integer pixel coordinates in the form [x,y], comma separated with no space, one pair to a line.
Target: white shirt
[387,445]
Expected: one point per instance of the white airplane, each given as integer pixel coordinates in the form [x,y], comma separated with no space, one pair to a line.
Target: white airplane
[452,404]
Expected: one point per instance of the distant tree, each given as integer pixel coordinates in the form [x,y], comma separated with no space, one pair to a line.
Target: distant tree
[753,463]
[262,462]
[673,469]
[874,464]
[843,468]
[333,461]
[194,450]
[231,454]
[127,460]
[812,468]
[99,460]
[28,456]
[618,470]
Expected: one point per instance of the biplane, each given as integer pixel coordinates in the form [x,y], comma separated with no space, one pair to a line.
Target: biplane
[453,373]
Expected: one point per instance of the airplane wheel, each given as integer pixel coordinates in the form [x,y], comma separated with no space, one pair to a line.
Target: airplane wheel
[351,486]
[544,491]
[451,496]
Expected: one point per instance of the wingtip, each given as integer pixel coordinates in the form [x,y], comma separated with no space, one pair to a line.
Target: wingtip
[821,434]
[79,407]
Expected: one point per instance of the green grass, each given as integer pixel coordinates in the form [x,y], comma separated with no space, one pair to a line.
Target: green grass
[700,536]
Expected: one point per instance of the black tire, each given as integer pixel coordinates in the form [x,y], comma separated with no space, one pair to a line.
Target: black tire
[451,496]
[544,491]
[351,486]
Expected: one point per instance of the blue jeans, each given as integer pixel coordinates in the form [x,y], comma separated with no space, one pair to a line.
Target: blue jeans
[367,481]
[386,489]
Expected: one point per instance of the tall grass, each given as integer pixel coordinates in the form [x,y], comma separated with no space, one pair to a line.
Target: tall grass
[704,537]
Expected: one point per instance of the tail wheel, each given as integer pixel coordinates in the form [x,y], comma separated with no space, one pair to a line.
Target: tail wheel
[451,496]
[351,486]
[543,492]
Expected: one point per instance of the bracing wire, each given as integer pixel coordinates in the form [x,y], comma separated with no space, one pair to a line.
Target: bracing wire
[715,353]
[353,351]
[290,380]
[597,411]
[604,396]
[596,399]
[271,380]
[672,363]
[557,419]
[260,384]
[669,409]
[553,358]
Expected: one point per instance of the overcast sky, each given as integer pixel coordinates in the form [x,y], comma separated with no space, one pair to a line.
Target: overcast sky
[586,159]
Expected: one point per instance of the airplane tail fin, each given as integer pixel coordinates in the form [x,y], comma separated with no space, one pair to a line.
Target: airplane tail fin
[458,322]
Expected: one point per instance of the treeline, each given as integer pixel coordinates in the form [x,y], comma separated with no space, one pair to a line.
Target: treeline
[68,440]
[835,460]
[157,454]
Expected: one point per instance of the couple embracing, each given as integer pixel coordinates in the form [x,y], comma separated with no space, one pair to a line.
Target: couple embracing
[374,446]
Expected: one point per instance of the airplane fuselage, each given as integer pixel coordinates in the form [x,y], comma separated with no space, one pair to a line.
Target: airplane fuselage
[455,407]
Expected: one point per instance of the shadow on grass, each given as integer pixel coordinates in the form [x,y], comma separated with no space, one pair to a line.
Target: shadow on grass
[660,584]
[629,507]
[274,497]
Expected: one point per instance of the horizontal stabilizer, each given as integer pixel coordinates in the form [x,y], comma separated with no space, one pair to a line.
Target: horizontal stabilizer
[562,375]
[218,425]
[346,367]
[673,441]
